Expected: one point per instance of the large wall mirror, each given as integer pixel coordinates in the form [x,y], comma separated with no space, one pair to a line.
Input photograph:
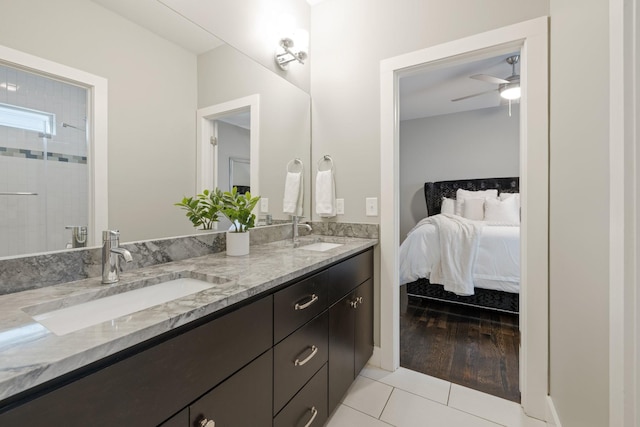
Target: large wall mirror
[156,83]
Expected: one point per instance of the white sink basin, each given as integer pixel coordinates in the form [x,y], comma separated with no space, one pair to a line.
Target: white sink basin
[70,319]
[320,246]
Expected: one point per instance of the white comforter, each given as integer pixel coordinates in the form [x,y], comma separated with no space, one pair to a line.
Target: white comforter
[478,254]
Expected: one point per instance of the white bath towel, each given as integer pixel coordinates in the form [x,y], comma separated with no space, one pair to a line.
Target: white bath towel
[293,194]
[325,194]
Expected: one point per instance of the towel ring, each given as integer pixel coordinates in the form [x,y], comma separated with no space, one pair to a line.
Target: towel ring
[293,162]
[325,158]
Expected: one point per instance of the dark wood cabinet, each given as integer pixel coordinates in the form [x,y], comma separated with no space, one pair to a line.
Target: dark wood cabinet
[309,406]
[350,339]
[298,358]
[244,400]
[148,387]
[283,359]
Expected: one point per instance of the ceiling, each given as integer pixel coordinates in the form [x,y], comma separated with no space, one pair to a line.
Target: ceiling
[429,92]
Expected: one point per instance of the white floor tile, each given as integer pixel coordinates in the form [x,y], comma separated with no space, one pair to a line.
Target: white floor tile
[490,407]
[407,410]
[349,417]
[411,381]
[368,396]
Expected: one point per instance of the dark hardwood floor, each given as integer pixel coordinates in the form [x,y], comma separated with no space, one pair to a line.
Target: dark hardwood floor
[472,347]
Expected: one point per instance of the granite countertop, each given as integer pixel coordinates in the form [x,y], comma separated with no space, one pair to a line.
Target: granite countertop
[30,354]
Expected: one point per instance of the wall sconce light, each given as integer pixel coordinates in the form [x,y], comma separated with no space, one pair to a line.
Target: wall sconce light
[287,53]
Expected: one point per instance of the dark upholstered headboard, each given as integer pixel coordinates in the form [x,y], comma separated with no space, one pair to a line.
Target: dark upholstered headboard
[435,191]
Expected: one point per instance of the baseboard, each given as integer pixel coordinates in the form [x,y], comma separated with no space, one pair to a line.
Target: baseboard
[552,415]
[376,358]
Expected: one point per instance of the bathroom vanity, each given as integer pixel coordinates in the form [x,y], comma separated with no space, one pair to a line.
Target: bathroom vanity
[280,350]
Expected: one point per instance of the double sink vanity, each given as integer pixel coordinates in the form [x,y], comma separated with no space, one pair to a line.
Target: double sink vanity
[274,338]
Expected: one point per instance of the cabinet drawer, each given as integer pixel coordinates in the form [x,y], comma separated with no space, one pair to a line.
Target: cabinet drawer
[299,303]
[244,400]
[298,357]
[310,403]
[344,277]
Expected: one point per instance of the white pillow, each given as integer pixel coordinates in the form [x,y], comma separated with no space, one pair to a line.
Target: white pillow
[473,209]
[505,196]
[502,211]
[448,206]
[462,195]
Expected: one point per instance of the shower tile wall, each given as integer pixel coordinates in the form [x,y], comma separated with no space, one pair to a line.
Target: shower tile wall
[60,175]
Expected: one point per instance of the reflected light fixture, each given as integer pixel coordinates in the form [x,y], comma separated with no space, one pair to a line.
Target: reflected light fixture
[286,53]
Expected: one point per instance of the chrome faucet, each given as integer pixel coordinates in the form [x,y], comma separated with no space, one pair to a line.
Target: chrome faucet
[111,253]
[295,218]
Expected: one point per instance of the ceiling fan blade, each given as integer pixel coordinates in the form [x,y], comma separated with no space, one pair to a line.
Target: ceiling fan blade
[474,95]
[489,79]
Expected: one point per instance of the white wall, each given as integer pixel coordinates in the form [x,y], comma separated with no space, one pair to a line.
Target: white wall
[473,144]
[152,102]
[579,212]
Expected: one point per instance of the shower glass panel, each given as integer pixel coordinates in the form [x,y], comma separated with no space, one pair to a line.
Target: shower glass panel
[44,176]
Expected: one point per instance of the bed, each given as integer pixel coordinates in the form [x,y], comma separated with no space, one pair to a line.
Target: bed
[466,261]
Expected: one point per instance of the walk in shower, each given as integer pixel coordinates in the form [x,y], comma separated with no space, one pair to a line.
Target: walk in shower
[44,178]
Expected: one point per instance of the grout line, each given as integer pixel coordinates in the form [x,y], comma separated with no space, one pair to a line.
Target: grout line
[368,415]
[387,402]
[448,395]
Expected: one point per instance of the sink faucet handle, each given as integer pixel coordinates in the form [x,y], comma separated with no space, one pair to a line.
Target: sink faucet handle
[110,235]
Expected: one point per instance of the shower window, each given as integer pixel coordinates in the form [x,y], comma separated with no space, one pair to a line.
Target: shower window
[27,119]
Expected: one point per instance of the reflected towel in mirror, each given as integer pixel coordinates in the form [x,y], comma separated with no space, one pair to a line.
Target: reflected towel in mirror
[293,194]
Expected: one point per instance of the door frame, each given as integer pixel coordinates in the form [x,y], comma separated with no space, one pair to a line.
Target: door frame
[206,152]
[97,130]
[531,37]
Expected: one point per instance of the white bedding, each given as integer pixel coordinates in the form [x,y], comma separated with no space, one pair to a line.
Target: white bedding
[496,265]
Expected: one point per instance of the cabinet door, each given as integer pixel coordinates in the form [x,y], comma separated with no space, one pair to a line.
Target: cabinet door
[363,348]
[341,341]
[244,400]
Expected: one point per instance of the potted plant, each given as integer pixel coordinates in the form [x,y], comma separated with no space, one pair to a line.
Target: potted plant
[238,209]
[203,209]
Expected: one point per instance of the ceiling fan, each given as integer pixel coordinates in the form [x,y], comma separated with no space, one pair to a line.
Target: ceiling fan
[509,87]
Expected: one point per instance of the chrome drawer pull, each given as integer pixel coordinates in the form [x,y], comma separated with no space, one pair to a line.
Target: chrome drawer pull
[299,362]
[354,304]
[359,299]
[313,299]
[314,413]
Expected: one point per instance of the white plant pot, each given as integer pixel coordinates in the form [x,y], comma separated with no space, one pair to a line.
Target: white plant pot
[237,243]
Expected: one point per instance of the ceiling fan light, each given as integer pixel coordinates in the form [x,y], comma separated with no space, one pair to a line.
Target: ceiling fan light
[510,91]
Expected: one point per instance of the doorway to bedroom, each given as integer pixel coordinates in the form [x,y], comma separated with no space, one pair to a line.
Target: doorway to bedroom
[531,38]
[457,131]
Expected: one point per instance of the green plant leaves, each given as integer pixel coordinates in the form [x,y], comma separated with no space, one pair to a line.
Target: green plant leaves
[203,209]
[238,209]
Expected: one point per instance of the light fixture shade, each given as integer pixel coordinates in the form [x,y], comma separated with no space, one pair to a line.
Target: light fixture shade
[510,91]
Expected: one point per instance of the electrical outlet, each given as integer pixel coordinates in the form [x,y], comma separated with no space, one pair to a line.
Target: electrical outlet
[264,204]
[340,206]
[372,206]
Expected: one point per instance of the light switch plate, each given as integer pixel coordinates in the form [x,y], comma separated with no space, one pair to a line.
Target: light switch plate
[372,206]
[264,205]
[340,206]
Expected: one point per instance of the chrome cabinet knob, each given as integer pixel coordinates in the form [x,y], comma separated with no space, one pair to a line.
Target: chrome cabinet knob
[207,423]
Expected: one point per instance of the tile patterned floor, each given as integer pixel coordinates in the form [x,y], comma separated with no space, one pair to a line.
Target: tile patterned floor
[406,398]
